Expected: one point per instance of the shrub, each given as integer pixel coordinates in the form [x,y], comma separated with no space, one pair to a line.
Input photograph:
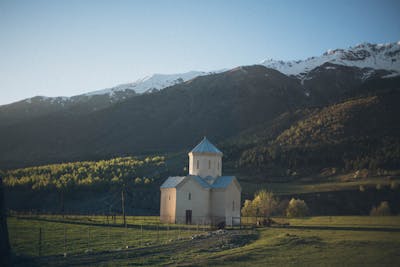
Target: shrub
[282,207]
[247,209]
[297,208]
[263,204]
[394,185]
[382,210]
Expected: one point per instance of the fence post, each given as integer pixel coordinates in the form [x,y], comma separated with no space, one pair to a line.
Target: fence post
[40,242]
[108,234]
[167,232]
[88,242]
[65,241]
[141,234]
[126,236]
[158,234]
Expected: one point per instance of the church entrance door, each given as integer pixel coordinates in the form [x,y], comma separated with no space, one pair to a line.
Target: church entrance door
[188,216]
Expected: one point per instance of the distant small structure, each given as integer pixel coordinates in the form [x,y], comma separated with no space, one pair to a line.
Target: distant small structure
[203,196]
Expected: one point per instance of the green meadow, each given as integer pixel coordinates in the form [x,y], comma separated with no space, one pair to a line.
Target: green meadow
[312,241]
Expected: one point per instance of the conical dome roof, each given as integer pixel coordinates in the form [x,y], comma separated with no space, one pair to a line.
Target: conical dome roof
[205,146]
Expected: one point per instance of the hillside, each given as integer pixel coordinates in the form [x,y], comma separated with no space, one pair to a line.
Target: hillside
[354,134]
[218,105]
[260,116]
[87,186]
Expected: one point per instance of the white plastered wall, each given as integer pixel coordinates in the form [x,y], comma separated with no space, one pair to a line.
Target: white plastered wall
[168,205]
[199,203]
[225,204]
[205,164]
[232,204]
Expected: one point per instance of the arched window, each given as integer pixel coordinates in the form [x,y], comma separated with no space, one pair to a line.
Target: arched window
[189,196]
[209,164]
[233,205]
[198,163]
[169,197]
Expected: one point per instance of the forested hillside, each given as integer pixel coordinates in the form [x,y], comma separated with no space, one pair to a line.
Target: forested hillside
[93,174]
[361,133]
[88,186]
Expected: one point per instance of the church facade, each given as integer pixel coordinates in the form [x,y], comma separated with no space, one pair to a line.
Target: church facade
[203,196]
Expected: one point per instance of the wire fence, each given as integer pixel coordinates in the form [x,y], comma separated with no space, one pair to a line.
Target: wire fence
[47,235]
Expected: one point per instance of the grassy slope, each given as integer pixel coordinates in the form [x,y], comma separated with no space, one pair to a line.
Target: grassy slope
[320,247]
[283,247]
[354,241]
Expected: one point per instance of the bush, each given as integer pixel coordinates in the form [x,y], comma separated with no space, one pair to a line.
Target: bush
[264,204]
[297,208]
[247,210]
[394,185]
[382,210]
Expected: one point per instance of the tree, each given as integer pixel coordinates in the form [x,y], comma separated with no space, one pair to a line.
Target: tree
[297,208]
[248,210]
[263,204]
[382,210]
[4,240]
[62,184]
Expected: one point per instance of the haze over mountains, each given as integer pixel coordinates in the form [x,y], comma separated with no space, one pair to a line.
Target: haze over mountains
[260,103]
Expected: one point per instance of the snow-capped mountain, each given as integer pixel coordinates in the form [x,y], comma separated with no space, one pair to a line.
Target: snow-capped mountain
[96,100]
[366,55]
[150,83]
[147,84]
[368,60]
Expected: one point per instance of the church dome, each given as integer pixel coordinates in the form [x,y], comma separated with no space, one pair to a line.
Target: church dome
[205,146]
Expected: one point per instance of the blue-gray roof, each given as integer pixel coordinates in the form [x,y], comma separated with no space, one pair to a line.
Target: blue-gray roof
[172,181]
[223,181]
[205,146]
[200,181]
[220,182]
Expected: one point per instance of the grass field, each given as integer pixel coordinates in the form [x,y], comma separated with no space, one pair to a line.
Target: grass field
[48,235]
[314,241]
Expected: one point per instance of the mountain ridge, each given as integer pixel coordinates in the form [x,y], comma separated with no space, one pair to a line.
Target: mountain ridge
[220,105]
[365,55]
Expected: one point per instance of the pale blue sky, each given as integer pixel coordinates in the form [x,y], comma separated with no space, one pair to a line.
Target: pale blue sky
[64,48]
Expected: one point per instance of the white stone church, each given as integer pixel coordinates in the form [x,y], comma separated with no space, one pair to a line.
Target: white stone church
[203,196]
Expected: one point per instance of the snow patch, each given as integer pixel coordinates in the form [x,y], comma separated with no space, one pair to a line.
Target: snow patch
[391,75]
[150,83]
[364,55]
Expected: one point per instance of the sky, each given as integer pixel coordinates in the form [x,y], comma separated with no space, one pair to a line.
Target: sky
[65,48]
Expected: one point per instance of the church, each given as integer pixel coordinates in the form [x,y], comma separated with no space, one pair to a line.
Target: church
[203,196]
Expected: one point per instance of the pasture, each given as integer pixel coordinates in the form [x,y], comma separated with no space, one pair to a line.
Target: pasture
[313,241]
